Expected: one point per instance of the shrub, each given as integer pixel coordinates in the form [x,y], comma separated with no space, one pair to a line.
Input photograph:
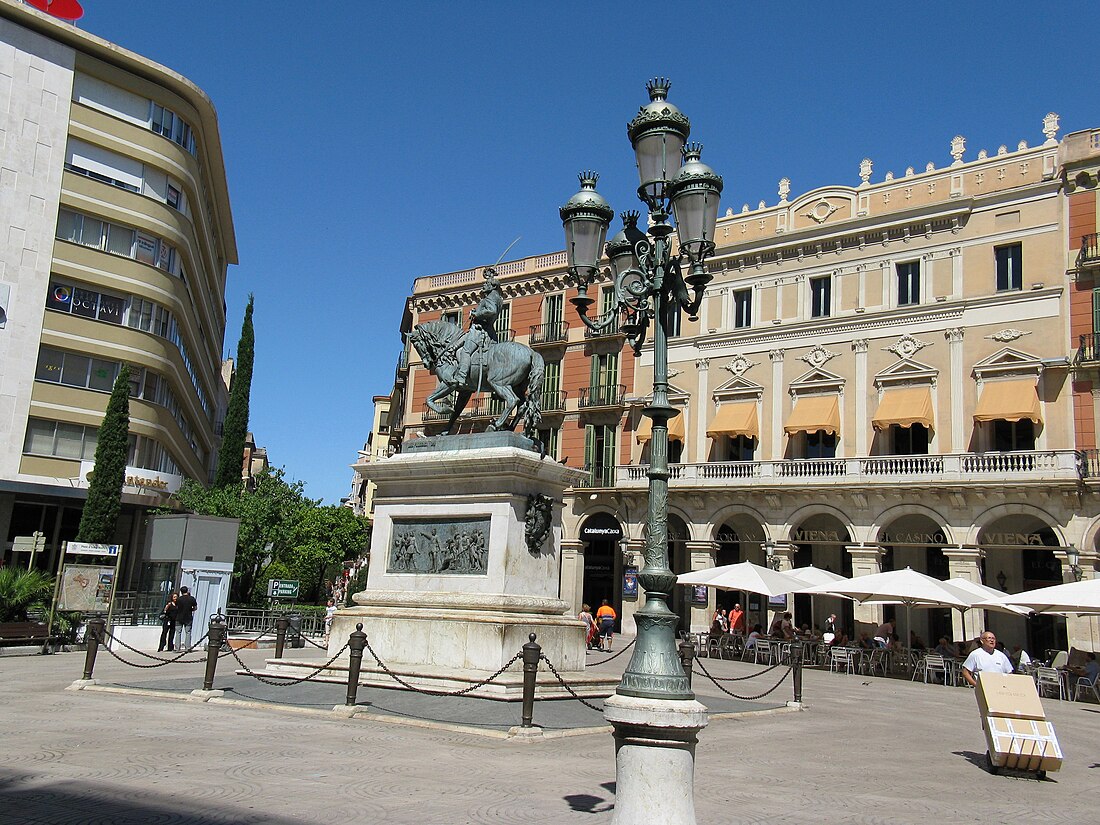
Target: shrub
[21,591]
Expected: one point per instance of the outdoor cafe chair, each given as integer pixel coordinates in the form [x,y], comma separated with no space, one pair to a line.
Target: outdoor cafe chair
[727,647]
[714,646]
[1086,686]
[1047,678]
[842,658]
[877,660]
[931,664]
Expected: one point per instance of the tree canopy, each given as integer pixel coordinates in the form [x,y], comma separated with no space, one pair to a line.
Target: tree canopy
[99,517]
[283,534]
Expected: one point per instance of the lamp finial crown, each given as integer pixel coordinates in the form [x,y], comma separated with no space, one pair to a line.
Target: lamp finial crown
[630,217]
[588,178]
[658,88]
[693,150]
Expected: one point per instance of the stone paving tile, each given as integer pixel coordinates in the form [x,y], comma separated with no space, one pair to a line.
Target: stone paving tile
[865,751]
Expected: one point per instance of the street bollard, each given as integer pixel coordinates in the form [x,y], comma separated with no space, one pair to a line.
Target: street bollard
[532,653]
[281,624]
[356,642]
[796,665]
[215,639]
[687,653]
[92,636]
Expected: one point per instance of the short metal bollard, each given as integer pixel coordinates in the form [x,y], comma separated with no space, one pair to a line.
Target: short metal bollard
[215,639]
[92,636]
[796,666]
[281,624]
[532,654]
[687,653]
[357,641]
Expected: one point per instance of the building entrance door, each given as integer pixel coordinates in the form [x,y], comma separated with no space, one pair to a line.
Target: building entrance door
[601,533]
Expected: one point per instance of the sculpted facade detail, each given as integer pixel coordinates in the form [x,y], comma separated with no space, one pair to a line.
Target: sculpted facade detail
[450,547]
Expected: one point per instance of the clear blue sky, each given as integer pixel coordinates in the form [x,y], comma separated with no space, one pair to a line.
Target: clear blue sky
[371,143]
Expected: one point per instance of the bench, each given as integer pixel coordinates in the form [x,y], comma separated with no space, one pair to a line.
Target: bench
[25,633]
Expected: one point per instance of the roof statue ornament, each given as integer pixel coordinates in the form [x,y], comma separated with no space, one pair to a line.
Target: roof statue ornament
[958,146]
[472,361]
[784,189]
[865,167]
[1050,128]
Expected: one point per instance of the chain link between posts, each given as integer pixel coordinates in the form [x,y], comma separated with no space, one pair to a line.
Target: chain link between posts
[734,678]
[287,682]
[159,662]
[428,692]
[770,690]
[567,686]
[629,645]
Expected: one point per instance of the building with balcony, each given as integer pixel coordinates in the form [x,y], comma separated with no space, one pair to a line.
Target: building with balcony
[117,239]
[361,497]
[881,375]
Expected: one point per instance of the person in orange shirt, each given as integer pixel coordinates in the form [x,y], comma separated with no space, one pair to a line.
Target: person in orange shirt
[606,618]
[737,619]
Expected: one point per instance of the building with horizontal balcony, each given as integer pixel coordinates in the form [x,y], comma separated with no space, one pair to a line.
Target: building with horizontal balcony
[117,239]
[881,375]
[361,497]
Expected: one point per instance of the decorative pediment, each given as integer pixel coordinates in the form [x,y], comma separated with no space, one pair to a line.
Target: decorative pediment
[1008,361]
[817,381]
[739,365]
[739,388]
[823,206]
[906,373]
[676,395]
[818,356]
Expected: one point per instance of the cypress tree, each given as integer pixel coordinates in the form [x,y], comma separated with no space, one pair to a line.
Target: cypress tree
[100,515]
[235,429]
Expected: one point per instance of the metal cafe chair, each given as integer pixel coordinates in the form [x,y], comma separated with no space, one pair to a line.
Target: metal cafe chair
[932,663]
[840,658]
[1047,678]
[1086,686]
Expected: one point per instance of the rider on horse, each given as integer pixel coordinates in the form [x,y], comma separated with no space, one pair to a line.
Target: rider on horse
[482,332]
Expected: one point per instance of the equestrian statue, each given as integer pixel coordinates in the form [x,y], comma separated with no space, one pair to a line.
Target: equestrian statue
[472,361]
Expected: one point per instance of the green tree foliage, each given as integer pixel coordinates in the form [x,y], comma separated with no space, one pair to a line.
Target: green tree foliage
[283,534]
[235,429]
[100,515]
[22,590]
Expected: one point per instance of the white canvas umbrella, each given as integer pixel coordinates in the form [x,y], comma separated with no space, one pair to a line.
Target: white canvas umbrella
[907,587]
[1076,597]
[752,578]
[986,598]
[811,576]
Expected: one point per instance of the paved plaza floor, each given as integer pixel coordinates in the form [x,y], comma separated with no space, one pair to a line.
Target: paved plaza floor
[866,750]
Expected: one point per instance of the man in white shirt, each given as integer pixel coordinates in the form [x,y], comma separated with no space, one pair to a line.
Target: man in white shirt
[986,657]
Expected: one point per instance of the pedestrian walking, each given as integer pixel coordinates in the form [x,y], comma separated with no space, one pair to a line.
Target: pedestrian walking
[185,615]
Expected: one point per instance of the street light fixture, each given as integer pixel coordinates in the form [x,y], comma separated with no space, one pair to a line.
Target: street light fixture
[1073,556]
[649,290]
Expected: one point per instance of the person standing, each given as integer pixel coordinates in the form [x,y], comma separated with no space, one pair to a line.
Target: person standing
[737,619]
[330,612]
[591,634]
[606,617]
[985,658]
[185,615]
[168,624]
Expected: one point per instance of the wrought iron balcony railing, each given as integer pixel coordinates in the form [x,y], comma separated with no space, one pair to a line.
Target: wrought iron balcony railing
[1088,348]
[609,395]
[553,401]
[1090,251]
[612,332]
[599,475]
[553,333]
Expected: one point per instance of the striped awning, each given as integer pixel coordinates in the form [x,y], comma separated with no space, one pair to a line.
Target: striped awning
[734,420]
[675,429]
[1011,400]
[813,413]
[904,406]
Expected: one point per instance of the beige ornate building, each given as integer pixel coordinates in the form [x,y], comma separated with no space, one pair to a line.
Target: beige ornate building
[881,376]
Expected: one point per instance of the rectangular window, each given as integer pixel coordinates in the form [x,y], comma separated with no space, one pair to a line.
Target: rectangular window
[607,300]
[110,309]
[173,197]
[1013,436]
[503,325]
[605,370]
[145,250]
[908,283]
[741,448]
[452,318]
[553,311]
[599,454]
[120,240]
[550,439]
[742,308]
[85,302]
[102,375]
[821,297]
[69,225]
[909,440]
[39,439]
[49,365]
[552,380]
[674,322]
[75,370]
[820,444]
[1010,273]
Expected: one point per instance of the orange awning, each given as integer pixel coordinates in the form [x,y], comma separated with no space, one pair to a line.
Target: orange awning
[904,406]
[675,429]
[813,413]
[1012,400]
[734,420]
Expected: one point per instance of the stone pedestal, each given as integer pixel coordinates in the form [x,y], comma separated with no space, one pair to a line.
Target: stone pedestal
[654,758]
[454,587]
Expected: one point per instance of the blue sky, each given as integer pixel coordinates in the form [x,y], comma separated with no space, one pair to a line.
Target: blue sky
[371,143]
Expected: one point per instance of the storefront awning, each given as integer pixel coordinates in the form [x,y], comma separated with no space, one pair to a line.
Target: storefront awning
[734,420]
[675,429]
[816,412]
[904,406]
[1012,400]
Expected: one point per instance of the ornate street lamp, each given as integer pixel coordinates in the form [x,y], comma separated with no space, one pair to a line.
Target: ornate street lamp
[1073,556]
[650,290]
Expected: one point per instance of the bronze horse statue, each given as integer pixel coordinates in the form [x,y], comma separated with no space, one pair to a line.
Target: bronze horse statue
[512,372]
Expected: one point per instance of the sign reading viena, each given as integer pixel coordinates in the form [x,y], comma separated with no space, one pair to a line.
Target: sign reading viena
[65,9]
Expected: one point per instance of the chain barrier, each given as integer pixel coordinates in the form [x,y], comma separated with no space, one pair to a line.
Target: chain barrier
[770,690]
[159,661]
[288,682]
[629,645]
[306,638]
[427,692]
[567,686]
[735,678]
